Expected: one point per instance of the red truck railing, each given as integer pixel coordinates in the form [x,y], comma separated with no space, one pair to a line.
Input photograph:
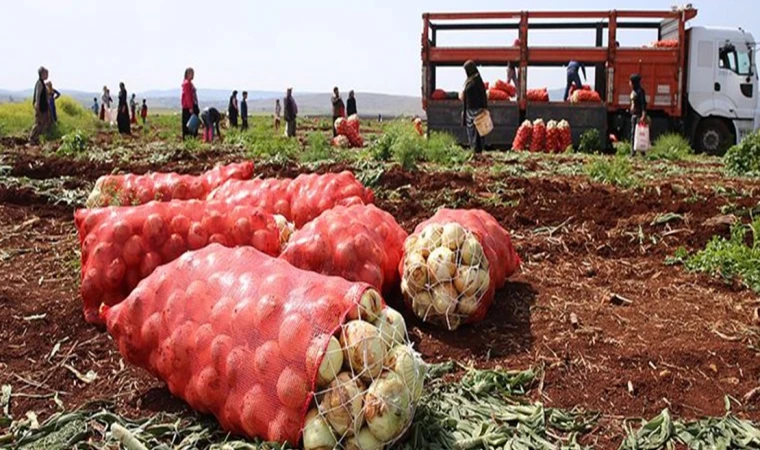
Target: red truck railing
[662,69]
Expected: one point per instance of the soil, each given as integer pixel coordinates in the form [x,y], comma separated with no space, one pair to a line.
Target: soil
[684,341]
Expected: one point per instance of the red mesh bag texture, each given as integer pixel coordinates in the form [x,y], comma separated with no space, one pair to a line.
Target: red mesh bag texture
[122,245]
[358,243]
[565,135]
[438,94]
[126,190]
[352,131]
[247,338]
[537,95]
[538,140]
[667,43]
[584,96]
[453,264]
[523,136]
[299,200]
[573,88]
[497,95]
[552,137]
[505,87]
[341,126]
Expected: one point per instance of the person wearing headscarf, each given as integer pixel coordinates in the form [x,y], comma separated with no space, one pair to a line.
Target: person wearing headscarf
[189,102]
[638,106]
[105,103]
[52,97]
[474,101]
[244,111]
[351,104]
[232,109]
[291,113]
[338,108]
[133,108]
[41,106]
[122,114]
[211,118]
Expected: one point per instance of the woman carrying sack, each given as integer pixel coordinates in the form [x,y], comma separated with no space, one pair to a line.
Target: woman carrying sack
[475,101]
[639,120]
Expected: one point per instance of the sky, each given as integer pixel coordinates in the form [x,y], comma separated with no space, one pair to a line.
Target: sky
[366,45]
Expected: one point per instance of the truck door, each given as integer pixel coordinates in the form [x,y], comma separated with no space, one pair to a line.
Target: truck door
[735,81]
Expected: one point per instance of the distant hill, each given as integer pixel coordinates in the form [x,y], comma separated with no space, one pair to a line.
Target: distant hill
[258,101]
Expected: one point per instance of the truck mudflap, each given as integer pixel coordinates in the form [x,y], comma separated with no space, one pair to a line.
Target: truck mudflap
[446,116]
[581,117]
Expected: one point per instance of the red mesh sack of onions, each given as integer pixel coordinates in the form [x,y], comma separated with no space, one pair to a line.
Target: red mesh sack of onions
[537,95]
[272,351]
[584,96]
[523,136]
[565,135]
[122,245]
[552,137]
[340,141]
[453,264]
[352,131]
[358,243]
[299,200]
[505,87]
[495,94]
[126,190]
[438,94]
[538,140]
[667,43]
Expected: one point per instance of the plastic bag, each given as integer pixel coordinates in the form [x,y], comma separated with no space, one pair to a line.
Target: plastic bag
[301,199]
[358,243]
[453,264]
[122,245]
[251,340]
[126,190]
[641,138]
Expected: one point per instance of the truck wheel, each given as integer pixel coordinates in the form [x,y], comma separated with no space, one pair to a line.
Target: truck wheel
[713,137]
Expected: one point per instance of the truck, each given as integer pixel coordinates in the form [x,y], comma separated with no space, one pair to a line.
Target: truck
[703,84]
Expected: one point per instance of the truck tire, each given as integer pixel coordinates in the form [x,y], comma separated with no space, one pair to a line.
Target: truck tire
[713,137]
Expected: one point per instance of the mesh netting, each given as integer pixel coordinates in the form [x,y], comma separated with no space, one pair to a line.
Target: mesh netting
[301,199]
[538,138]
[358,243]
[122,245]
[125,190]
[452,265]
[271,350]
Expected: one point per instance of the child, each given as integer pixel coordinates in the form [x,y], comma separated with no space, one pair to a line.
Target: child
[277,113]
[244,110]
[144,111]
[95,108]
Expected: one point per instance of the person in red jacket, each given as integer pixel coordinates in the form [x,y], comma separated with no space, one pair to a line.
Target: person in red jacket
[189,102]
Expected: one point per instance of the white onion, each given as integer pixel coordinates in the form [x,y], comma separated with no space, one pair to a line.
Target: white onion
[408,365]
[432,234]
[331,363]
[387,407]
[472,252]
[364,440]
[317,434]
[445,299]
[442,264]
[370,305]
[415,271]
[468,304]
[363,348]
[392,327]
[453,236]
[342,404]
[422,304]
[410,244]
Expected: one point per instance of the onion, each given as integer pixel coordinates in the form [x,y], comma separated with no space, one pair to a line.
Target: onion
[342,404]
[472,252]
[388,407]
[432,235]
[392,327]
[364,440]
[422,303]
[468,304]
[466,281]
[415,271]
[363,348]
[408,365]
[369,307]
[410,244]
[317,434]
[329,347]
[286,228]
[453,236]
[445,299]
[442,264]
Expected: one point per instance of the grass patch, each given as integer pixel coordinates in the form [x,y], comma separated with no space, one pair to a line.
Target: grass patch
[74,143]
[400,143]
[743,159]
[616,171]
[671,146]
[590,142]
[733,259]
[17,119]
[317,148]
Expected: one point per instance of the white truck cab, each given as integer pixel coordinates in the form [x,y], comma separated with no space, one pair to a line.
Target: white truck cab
[722,87]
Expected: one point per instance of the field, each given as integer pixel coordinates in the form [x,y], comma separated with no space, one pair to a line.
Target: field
[596,312]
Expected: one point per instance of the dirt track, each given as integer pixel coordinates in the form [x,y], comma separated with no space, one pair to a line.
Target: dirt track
[683,343]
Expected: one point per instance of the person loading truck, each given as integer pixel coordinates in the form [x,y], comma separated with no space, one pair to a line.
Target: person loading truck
[573,77]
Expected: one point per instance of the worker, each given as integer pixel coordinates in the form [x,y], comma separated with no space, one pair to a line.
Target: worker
[232,109]
[475,100]
[638,107]
[338,108]
[573,77]
[244,111]
[211,118]
[291,113]
[351,104]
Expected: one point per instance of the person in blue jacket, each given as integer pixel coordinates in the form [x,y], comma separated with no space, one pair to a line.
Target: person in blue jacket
[573,77]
